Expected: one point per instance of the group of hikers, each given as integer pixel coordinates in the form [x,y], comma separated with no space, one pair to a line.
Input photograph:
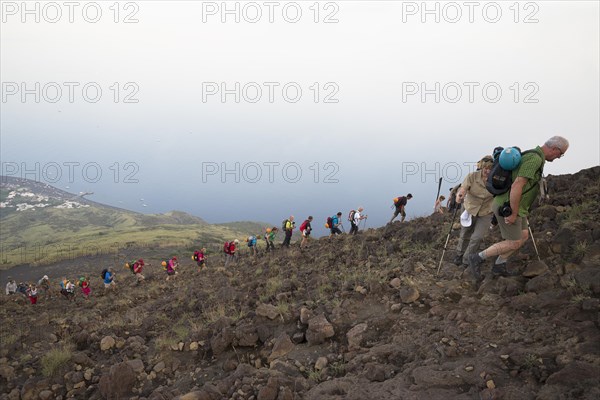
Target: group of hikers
[500,192]
[43,288]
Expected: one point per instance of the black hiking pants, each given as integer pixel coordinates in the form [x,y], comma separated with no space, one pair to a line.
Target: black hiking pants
[353,228]
[288,238]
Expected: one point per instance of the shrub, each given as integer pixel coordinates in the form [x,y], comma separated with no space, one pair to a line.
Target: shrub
[54,361]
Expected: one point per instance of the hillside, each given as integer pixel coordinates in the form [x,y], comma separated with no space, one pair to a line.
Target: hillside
[363,317]
[41,224]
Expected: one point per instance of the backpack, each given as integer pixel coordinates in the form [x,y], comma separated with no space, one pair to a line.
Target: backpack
[226,248]
[132,266]
[104,272]
[397,201]
[283,224]
[500,180]
[303,226]
[351,215]
[195,256]
[329,223]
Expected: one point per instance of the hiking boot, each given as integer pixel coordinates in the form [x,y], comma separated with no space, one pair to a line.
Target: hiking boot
[475,266]
[501,270]
[458,260]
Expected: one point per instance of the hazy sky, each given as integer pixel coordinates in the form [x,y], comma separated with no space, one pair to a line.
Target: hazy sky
[308,107]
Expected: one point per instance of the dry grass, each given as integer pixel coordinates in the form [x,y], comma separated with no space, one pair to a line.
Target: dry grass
[55,360]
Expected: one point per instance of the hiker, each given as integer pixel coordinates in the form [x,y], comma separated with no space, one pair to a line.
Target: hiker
[437,207]
[229,250]
[452,205]
[11,287]
[84,283]
[136,268]
[68,290]
[44,285]
[251,240]
[171,267]
[32,293]
[22,288]
[400,204]
[288,226]
[512,207]
[334,224]
[200,258]
[477,215]
[354,217]
[109,278]
[270,238]
[305,228]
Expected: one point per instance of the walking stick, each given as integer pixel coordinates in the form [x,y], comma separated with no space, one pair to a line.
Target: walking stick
[533,239]
[446,244]
[439,188]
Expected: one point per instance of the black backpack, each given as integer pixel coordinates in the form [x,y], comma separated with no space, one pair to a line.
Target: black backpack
[104,272]
[283,224]
[351,215]
[500,180]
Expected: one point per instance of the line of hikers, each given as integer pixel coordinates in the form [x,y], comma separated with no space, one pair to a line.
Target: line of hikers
[501,191]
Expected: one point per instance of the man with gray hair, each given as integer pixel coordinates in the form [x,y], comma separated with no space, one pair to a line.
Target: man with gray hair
[512,208]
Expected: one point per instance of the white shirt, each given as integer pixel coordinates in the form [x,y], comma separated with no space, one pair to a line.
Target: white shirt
[356,217]
[11,287]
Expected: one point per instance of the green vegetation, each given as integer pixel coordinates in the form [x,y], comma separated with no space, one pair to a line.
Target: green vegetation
[48,235]
[55,360]
[579,211]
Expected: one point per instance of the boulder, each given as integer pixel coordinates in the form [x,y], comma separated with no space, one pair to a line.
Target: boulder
[319,329]
[267,310]
[409,294]
[283,345]
[119,381]
[355,336]
[107,343]
[535,268]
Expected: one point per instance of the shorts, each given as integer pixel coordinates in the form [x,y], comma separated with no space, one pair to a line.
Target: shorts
[305,233]
[511,232]
[107,285]
[398,211]
[170,272]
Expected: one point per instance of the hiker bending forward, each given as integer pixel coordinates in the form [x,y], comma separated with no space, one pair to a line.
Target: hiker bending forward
[523,192]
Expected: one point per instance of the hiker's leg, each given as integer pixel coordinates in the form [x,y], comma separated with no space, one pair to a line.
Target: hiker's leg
[515,234]
[479,227]
[403,213]
[394,216]
[463,239]
[506,248]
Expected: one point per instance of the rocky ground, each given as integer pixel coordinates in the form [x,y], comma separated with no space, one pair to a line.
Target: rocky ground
[363,317]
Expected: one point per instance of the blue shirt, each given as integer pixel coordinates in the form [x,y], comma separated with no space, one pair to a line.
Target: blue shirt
[108,277]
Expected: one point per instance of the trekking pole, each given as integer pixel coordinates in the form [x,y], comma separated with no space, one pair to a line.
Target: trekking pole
[533,239]
[446,244]
[439,188]
[343,229]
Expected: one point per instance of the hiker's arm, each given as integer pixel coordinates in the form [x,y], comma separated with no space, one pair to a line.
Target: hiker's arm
[516,190]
